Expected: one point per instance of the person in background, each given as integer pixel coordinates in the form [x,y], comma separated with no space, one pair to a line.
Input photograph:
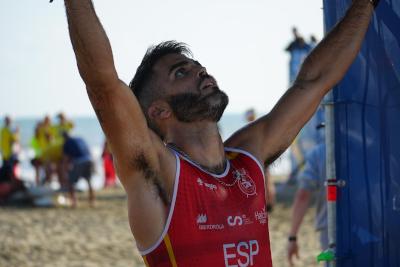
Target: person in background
[9,143]
[298,50]
[37,161]
[108,165]
[8,139]
[63,125]
[313,42]
[251,116]
[44,138]
[311,182]
[77,164]
[52,140]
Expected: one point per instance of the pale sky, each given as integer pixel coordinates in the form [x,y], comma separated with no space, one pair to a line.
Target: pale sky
[240,42]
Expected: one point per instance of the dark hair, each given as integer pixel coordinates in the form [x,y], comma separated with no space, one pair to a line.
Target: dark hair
[145,70]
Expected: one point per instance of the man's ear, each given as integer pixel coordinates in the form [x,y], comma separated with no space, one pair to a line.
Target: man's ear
[159,110]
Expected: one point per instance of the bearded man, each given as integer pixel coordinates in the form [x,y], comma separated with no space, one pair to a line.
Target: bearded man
[194,200]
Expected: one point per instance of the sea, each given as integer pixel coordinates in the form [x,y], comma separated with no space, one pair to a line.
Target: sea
[89,129]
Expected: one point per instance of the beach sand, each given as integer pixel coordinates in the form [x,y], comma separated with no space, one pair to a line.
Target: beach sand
[100,236]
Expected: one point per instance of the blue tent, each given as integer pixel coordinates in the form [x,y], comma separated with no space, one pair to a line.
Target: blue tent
[367,143]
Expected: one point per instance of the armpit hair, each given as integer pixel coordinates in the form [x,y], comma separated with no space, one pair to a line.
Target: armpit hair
[141,163]
[274,157]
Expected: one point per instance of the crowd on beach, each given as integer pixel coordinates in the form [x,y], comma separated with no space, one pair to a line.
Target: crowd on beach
[57,155]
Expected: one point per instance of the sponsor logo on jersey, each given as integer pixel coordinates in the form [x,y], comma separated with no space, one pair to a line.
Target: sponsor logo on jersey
[245,183]
[202,223]
[201,218]
[261,216]
[238,220]
[212,187]
[234,220]
[241,254]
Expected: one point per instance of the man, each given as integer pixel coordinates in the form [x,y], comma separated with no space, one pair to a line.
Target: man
[311,182]
[7,139]
[37,148]
[190,203]
[298,50]
[9,182]
[78,163]
[64,125]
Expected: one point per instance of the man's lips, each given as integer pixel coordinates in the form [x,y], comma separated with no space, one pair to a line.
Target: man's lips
[208,82]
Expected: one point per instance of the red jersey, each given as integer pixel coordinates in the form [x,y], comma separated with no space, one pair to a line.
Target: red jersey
[215,220]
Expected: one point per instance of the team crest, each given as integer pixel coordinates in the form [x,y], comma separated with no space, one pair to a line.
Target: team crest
[245,183]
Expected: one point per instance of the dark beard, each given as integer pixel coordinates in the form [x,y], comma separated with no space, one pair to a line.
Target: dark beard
[189,107]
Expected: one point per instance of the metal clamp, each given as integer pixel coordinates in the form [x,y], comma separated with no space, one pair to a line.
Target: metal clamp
[334,182]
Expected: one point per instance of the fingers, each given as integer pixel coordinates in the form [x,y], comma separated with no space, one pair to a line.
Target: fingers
[292,250]
[291,261]
[297,254]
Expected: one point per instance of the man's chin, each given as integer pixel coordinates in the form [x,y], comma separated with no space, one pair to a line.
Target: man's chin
[207,108]
[215,112]
[212,114]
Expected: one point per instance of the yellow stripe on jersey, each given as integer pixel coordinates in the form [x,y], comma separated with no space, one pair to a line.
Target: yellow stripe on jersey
[170,251]
[232,155]
[145,261]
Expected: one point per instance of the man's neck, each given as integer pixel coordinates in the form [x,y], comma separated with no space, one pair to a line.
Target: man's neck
[201,142]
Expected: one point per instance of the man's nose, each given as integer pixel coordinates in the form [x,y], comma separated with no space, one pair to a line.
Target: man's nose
[202,72]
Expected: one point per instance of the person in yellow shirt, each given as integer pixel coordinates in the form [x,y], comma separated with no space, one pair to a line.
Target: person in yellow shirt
[64,125]
[35,144]
[52,141]
[45,141]
[52,150]
[7,138]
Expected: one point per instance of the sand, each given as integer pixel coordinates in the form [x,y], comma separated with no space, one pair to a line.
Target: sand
[101,236]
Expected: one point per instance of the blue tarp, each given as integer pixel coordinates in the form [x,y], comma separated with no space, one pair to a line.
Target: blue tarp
[367,136]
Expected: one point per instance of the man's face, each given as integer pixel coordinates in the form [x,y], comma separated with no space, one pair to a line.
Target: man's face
[190,91]
[61,118]
[46,120]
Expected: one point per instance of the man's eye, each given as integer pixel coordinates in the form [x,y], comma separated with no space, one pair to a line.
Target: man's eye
[180,73]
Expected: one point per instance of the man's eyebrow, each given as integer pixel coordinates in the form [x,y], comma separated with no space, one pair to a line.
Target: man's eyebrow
[177,65]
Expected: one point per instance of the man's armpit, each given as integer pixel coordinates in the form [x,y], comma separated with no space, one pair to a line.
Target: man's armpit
[274,157]
[140,163]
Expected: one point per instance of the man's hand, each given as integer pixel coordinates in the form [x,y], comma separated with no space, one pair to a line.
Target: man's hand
[292,250]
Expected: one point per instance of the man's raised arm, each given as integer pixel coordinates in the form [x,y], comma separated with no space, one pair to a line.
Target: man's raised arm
[91,45]
[322,69]
[145,167]
[115,105]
